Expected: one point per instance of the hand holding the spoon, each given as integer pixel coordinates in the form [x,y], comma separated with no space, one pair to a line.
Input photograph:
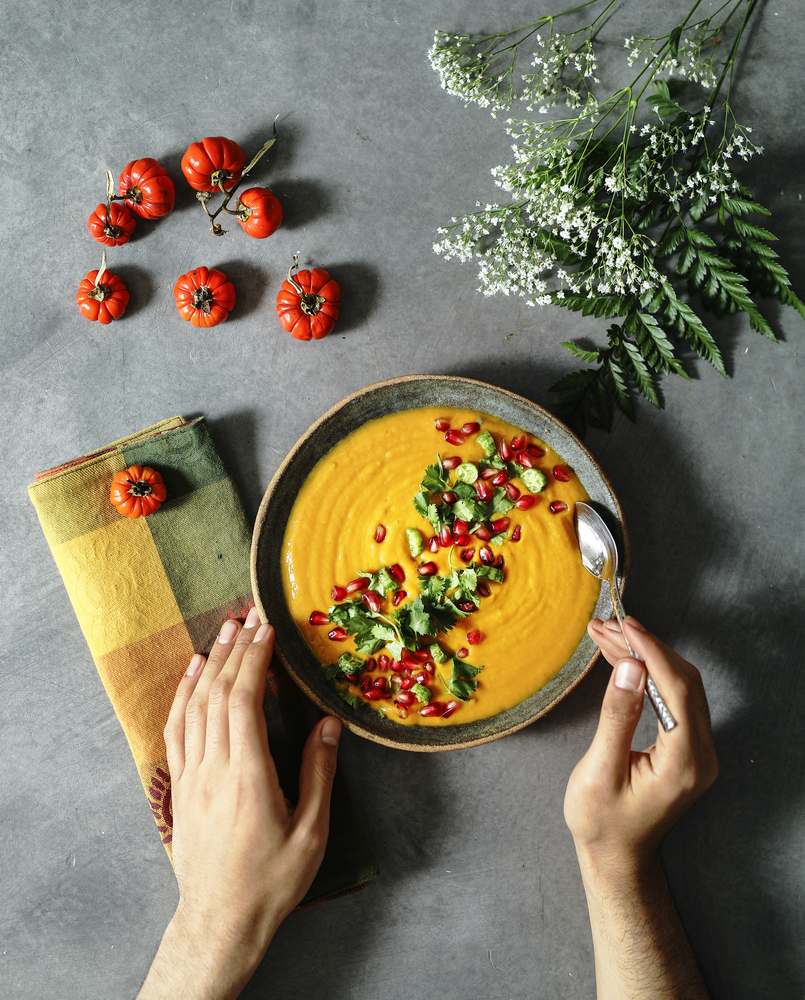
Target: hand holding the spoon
[619,805]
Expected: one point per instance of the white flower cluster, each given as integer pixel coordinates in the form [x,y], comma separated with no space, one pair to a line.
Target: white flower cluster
[693,60]
[544,87]
[470,68]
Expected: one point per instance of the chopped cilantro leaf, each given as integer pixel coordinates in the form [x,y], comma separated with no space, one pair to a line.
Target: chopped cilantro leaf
[418,617]
[464,491]
[435,478]
[350,699]
[331,670]
[468,579]
[420,503]
[436,516]
[497,539]
[461,684]
[501,502]
[470,510]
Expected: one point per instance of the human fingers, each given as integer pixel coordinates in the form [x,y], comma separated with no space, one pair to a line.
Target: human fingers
[247,724]
[195,734]
[222,686]
[609,752]
[608,636]
[316,780]
[174,732]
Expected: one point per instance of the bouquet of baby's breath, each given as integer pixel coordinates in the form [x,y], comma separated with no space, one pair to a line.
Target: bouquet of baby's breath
[603,197]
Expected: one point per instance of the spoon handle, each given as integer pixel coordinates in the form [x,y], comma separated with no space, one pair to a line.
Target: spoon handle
[667,720]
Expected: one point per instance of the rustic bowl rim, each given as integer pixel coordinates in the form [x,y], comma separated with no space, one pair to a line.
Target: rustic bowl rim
[350,718]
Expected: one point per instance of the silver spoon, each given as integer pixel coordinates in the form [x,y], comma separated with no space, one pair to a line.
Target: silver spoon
[599,556]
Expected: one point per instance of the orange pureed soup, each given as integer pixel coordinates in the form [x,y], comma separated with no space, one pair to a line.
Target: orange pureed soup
[527,627]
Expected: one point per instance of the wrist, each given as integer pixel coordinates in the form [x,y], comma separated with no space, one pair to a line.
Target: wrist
[615,868]
[203,958]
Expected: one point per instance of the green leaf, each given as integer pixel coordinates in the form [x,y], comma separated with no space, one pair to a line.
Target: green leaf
[640,375]
[351,699]
[672,239]
[591,357]
[462,684]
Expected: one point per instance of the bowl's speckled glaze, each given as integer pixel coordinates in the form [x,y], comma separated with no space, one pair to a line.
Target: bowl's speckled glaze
[379,400]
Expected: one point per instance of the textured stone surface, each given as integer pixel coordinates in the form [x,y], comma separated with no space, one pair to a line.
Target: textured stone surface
[480,895]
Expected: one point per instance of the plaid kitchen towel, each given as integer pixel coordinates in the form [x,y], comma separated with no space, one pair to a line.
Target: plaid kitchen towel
[152,591]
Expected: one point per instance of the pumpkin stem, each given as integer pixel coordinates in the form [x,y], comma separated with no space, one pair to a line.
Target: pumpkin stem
[220,176]
[140,488]
[203,298]
[310,303]
[99,291]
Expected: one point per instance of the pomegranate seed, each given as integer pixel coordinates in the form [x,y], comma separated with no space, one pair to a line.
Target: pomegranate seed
[380,533]
[462,540]
[449,497]
[408,657]
[433,709]
[449,708]
[408,671]
[518,442]
[397,572]
[445,537]
[462,653]
[365,684]
[422,655]
[561,474]
[337,634]
[421,678]
[380,684]
[401,711]
[486,555]
[512,491]
[383,661]
[370,665]
[525,503]
[360,584]
[471,427]
[373,694]
[428,568]
[558,506]
[459,527]
[371,599]
[500,525]
[399,595]
[396,667]
[483,589]
[339,593]
[407,683]
[500,562]
[467,554]
[505,451]
[483,533]
[500,479]
[433,544]
[525,460]
[351,678]
[484,490]
[532,449]
[406,698]
[451,462]
[429,668]
[516,531]
[441,424]
[318,618]
[489,473]
[473,638]
[454,437]
[466,605]
[395,678]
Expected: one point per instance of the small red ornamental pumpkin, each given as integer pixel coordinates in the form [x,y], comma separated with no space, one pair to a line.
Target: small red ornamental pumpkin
[148,190]
[259,212]
[102,296]
[112,224]
[213,164]
[308,303]
[204,296]
[137,491]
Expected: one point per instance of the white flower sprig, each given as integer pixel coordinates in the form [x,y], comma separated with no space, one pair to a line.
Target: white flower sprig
[590,193]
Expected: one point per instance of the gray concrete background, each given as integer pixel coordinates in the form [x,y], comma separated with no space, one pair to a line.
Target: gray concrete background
[480,896]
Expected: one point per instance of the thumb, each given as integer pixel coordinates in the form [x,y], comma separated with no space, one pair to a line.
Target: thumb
[317,773]
[620,713]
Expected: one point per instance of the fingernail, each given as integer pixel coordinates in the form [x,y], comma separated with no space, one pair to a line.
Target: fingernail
[228,632]
[629,675]
[635,623]
[330,731]
[596,624]
[252,619]
[195,665]
[612,625]
[261,633]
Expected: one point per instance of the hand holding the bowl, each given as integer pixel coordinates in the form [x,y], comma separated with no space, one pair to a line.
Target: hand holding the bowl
[244,857]
[620,803]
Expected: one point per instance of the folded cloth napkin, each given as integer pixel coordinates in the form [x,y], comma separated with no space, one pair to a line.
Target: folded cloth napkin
[152,591]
